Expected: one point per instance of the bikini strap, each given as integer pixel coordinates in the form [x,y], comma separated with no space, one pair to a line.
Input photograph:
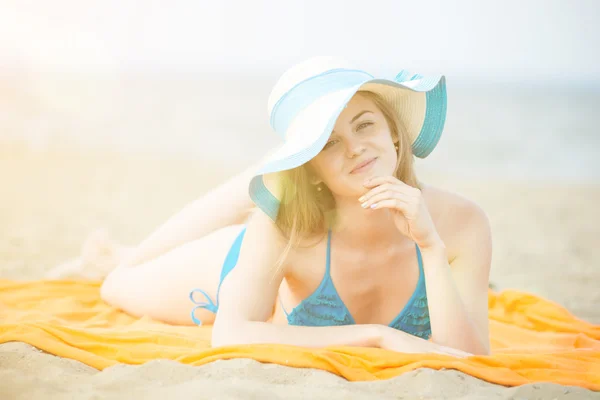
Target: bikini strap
[282,306]
[421,272]
[419,258]
[327,268]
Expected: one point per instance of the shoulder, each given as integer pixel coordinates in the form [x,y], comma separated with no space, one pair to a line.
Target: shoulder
[454,211]
[461,222]
[263,235]
[264,240]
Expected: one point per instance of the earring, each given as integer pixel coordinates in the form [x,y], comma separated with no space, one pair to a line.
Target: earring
[319,188]
[396,147]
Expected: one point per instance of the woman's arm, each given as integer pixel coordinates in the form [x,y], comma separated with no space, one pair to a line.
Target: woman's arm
[458,294]
[371,335]
[258,332]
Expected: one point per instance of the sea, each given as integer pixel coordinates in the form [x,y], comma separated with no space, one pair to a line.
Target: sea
[544,132]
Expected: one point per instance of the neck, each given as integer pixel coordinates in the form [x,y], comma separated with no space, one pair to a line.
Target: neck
[361,228]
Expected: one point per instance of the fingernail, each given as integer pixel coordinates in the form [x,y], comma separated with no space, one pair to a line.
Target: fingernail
[362,199]
[373,205]
[364,205]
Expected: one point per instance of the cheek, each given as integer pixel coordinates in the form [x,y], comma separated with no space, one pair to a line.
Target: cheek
[328,167]
[320,166]
[387,145]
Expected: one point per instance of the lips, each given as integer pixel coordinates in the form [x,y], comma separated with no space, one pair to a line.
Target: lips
[362,164]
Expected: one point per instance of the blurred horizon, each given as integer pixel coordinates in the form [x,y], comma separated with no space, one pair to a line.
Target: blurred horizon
[192,79]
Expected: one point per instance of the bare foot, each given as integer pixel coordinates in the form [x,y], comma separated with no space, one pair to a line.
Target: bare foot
[99,256]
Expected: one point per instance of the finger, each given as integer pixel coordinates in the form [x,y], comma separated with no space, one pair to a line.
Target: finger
[378,180]
[384,187]
[391,180]
[395,204]
[461,354]
[454,352]
[387,195]
[376,190]
[447,353]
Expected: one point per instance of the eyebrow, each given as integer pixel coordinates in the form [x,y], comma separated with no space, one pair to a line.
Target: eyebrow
[359,114]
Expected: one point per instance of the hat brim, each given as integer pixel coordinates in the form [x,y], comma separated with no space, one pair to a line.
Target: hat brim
[420,105]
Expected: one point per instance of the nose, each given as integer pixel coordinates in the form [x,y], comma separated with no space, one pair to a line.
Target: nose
[354,148]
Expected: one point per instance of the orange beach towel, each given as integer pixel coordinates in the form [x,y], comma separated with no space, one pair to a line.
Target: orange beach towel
[533,339]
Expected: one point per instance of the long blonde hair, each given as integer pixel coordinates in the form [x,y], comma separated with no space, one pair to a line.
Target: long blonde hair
[304,211]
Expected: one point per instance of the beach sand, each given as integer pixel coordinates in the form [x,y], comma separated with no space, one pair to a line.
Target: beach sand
[545,242]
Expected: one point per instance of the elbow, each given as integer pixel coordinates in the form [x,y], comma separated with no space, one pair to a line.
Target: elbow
[484,350]
[482,353]
[221,341]
[239,332]
[480,349]
[227,333]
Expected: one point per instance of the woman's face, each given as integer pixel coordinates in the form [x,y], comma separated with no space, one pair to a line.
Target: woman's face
[361,134]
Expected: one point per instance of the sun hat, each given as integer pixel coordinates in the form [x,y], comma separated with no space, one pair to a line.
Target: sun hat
[308,98]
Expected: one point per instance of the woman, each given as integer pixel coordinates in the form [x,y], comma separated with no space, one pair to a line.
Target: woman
[346,247]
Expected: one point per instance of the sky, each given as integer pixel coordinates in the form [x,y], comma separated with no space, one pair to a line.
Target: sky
[537,40]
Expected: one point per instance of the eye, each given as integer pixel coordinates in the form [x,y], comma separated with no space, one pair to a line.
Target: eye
[363,125]
[329,144]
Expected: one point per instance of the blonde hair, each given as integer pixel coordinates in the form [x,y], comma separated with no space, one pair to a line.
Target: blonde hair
[304,211]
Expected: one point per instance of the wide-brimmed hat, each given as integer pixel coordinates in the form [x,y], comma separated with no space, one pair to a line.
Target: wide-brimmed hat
[308,98]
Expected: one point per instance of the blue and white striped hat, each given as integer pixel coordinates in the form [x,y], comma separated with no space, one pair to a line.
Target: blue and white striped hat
[308,98]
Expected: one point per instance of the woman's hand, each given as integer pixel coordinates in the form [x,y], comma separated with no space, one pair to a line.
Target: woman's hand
[395,340]
[407,206]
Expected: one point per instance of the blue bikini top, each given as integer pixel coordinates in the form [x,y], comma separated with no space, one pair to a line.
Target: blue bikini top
[324,307]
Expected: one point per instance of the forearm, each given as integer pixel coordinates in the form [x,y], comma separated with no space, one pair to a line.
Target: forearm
[451,324]
[251,332]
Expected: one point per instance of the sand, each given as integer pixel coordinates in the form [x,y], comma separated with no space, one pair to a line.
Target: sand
[545,242]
